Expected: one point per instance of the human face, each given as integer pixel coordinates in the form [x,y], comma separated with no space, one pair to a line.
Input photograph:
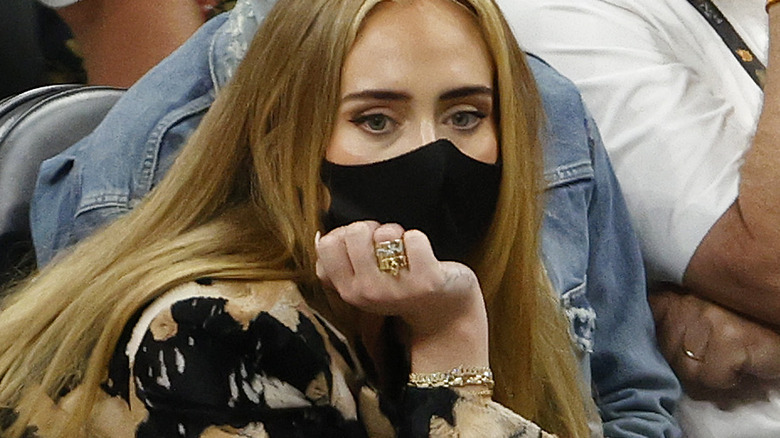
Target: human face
[419,71]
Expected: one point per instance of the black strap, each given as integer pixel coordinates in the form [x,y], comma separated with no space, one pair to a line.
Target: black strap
[736,44]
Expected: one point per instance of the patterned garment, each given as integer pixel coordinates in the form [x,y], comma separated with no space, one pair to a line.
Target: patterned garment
[219,359]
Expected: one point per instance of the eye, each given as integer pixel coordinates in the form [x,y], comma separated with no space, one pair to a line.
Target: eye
[466,120]
[374,123]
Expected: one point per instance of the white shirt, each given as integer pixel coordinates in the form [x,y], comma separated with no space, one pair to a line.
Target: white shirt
[675,108]
[677,113]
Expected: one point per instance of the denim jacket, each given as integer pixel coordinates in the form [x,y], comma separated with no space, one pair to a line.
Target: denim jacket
[590,250]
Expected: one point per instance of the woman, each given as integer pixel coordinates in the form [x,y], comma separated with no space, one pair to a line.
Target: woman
[190,311]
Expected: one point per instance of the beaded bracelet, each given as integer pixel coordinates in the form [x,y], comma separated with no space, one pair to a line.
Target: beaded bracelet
[456,377]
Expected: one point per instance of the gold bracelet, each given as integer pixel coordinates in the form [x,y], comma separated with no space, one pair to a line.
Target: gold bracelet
[770,3]
[456,377]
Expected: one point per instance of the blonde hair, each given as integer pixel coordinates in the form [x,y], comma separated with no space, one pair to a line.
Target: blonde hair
[242,201]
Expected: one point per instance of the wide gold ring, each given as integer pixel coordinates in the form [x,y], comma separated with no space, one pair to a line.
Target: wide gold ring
[391,256]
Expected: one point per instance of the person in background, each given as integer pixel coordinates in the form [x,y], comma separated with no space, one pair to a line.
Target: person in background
[686,96]
[590,251]
[217,306]
[119,41]
[21,57]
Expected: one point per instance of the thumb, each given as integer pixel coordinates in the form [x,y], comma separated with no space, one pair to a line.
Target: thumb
[458,277]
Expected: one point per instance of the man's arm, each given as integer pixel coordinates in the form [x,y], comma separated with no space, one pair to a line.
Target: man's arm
[738,262]
[663,101]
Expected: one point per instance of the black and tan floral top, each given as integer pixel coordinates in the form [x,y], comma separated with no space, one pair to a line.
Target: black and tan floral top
[223,359]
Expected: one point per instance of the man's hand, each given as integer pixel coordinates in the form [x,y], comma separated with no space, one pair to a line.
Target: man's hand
[709,346]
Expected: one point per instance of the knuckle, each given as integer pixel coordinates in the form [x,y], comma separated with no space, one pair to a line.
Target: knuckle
[431,282]
[415,237]
[357,228]
[391,227]
[730,334]
[327,241]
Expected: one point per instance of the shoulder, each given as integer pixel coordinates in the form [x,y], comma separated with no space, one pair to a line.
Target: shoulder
[240,353]
[563,106]
[549,81]
[569,136]
[225,308]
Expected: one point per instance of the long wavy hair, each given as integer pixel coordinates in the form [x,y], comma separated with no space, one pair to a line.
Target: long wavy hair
[243,201]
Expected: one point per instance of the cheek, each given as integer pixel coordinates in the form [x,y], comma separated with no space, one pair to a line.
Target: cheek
[342,147]
[489,151]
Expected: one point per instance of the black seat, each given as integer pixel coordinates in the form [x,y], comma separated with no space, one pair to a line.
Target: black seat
[34,126]
[12,107]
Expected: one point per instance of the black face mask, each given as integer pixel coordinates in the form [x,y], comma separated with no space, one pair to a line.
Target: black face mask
[436,189]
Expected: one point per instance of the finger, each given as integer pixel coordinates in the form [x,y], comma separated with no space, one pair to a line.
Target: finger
[725,352]
[419,252]
[332,260]
[387,256]
[660,304]
[387,232]
[680,312]
[695,361]
[359,240]
[696,340]
[318,268]
[323,275]
[668,310]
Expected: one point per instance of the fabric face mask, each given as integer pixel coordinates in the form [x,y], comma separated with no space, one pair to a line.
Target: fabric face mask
[437,189]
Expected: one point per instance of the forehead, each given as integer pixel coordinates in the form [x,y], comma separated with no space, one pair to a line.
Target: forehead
[400,40]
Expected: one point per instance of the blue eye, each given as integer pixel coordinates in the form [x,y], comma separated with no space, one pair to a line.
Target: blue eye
[374,123]
[465,120]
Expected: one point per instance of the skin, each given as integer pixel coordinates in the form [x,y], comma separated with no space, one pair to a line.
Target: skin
[419,71]
[121,40]
[727,349]
[731,303]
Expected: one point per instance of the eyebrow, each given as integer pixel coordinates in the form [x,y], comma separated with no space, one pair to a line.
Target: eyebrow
[378,95]
[465,92]
[456,93]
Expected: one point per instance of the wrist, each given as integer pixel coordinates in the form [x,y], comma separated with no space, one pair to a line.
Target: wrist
[467,381]
[461,341]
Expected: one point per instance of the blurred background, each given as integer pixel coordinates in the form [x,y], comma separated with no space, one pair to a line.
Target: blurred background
[38,48]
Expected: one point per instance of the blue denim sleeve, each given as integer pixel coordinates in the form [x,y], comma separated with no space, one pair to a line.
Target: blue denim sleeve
[635,389]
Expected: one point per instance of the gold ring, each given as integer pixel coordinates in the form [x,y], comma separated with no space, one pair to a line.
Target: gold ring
[391,256]
[691,355]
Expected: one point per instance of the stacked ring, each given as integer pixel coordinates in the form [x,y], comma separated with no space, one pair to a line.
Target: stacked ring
[391,256]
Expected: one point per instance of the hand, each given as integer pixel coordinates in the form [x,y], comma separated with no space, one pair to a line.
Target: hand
[440,302]
[709,346]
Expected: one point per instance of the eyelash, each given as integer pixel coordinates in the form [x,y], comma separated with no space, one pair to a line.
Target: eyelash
[362,120]
[479,115]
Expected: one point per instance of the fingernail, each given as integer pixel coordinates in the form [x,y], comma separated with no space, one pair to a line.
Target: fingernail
[317,238]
